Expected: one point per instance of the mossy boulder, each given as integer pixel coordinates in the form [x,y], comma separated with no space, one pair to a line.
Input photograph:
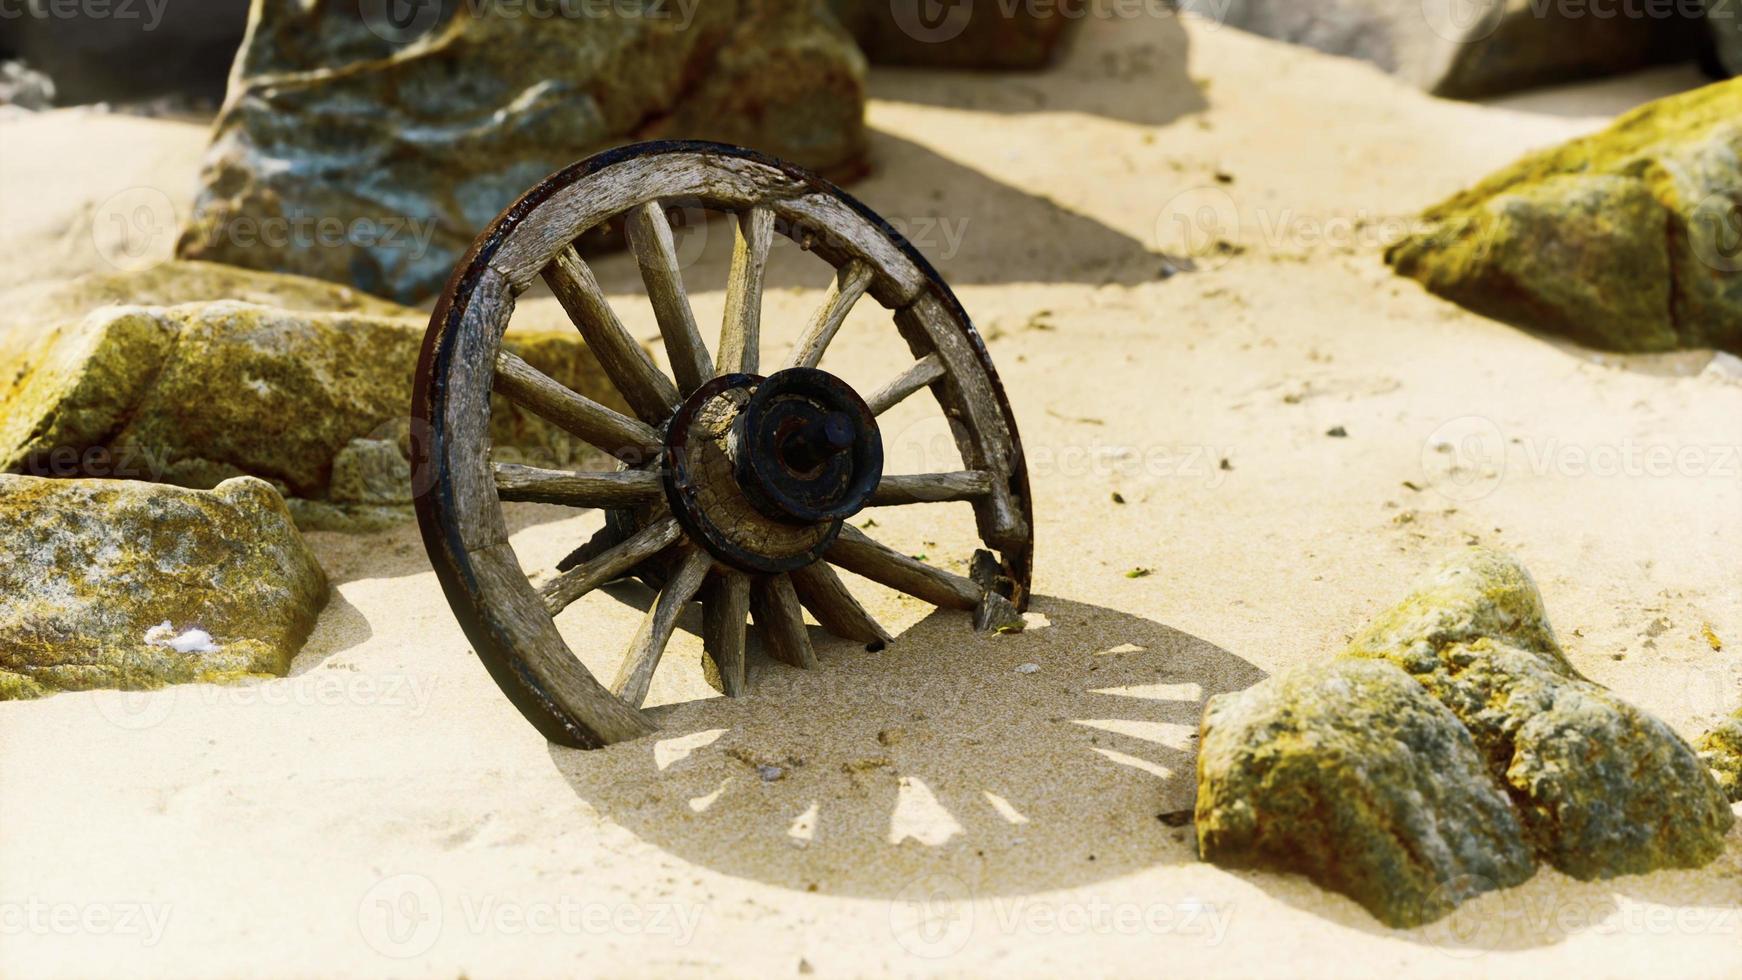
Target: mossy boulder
[1593,786]
[1721,750]
[199,392]
[361,150]
[1354,776]
[986,34]
[1628,240]
[122,584]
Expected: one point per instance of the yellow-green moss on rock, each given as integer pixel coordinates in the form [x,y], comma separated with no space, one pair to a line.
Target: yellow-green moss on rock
[1629,239]
[103,584]
[1591,784]
[1355,777]
[199,392]
[1721,750]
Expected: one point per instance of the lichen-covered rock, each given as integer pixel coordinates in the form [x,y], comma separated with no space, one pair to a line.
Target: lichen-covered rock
[1354,776]
[1307,773]
[1479,593]
[1602,788]
[117,583]
[354,149]
[1721,750]
[200,392]
[990,34]
[1465,49]
[1629,239]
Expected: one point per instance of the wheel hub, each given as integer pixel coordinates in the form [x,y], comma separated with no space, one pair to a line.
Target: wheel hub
[763,471]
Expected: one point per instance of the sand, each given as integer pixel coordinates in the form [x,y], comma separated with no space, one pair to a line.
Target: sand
[940,808]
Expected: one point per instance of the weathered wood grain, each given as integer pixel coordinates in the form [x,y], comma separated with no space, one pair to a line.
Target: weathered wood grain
[530,484]
[623,437]
[927,370]
[741,332]
[544,669]
[561,592]
[725,614]
[850,283]
[647,390]
[656,252]
[967,397]
[931,488]
[636,673]
[780,620]
[859,554]
[828,599]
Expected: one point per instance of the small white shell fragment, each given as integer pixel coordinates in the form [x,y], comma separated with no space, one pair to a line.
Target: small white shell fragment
[1028,668]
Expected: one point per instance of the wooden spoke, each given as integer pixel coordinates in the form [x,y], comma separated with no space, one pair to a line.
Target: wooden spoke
[656,252]
[621,436]
[529,483]
[931,488]
[725,609]
[779,616]
[826,596]
[741,333]
[859,554]
[850,284]
[561,592]
[927,370]
[636,674]
[650,393]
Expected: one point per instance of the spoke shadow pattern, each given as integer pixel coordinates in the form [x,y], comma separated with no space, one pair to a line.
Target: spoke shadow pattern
[1008,763]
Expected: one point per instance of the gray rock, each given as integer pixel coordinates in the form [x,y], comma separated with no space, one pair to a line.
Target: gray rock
[1353,776]
[1468,48]
[371,471]
[1725,25]
[984,34]
[358,151]
[117,583]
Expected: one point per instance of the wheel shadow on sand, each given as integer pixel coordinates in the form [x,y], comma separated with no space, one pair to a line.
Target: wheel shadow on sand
[994,764]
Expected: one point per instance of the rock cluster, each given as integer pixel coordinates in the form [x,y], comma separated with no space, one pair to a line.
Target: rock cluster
[1629,239]
[1449,750]
[116,583]
[988,34]
[1721,749]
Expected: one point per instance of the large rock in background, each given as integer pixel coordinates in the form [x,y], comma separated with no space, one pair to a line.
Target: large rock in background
[127,51]
[989,34]
[403,141]
[116,583]
[1468,48]
[1725,27]
[194,393]
[1629,239]
[1355,777]
[1594,786]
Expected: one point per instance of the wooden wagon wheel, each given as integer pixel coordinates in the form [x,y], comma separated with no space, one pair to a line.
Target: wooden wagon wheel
[733,485]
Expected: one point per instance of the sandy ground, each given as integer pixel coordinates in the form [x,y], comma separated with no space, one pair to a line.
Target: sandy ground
[385,811]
